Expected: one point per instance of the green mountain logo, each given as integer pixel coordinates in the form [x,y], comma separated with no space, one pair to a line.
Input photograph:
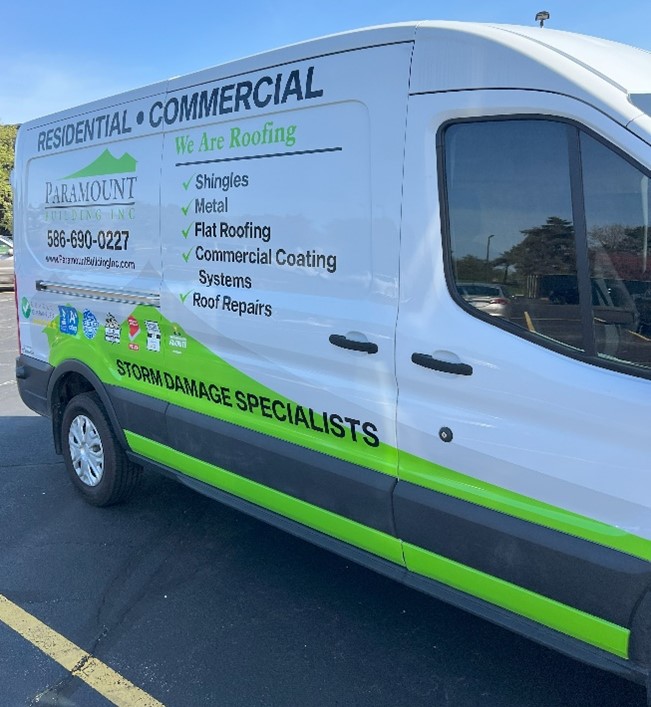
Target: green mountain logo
[106,163]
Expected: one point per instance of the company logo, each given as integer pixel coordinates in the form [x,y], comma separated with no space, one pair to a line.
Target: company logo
[90,324]
[93,186]
[68,320]
[25,307]
[112,330]
[106,163]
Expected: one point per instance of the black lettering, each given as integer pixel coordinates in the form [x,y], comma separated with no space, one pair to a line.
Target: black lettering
[252,402]
[300,417]
[188,110]
[309,91]
[370,434]
[313,424]
[265,407]
[281,417]
[226,396]
[243,94]
[338,430]
[225,97]
[240,399]
[293,87]
[155,122]
[262,102]
[353,426]
[208,105]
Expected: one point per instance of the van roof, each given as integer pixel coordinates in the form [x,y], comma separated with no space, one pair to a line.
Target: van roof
[459,56]
[464,55]
[621,64]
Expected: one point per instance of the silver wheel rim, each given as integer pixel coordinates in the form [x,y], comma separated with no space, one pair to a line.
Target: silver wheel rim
[86,450]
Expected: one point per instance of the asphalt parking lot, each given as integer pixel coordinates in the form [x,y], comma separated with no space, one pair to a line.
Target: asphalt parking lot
[197,604]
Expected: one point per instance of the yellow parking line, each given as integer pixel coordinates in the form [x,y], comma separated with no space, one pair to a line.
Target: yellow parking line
[82,665]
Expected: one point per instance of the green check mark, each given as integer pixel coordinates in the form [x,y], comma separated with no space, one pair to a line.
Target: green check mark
[186,185]
[185,296]
[186,231]
[185,209]
[186,256]
[26,307]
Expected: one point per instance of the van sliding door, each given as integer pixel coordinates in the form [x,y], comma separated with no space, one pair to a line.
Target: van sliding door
[280,257]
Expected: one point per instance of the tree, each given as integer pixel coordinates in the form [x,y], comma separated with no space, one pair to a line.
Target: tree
[7,142]
[473,269]
[545,251]
[470,269]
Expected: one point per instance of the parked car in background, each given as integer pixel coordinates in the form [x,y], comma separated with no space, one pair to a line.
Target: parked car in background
[490,298]
[6,262]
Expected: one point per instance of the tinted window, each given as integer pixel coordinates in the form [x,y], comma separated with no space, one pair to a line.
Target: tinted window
[512,242]
[617,221]
[510,222]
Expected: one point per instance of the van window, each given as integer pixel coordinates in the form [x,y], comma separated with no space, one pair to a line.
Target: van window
[617,220]
[514,253]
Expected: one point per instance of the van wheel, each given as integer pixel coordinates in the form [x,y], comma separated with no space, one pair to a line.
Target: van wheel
[96,463]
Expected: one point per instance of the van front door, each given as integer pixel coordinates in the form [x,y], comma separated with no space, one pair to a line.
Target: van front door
[524,358]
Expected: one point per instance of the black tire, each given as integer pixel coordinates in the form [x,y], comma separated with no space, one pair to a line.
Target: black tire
[95,460]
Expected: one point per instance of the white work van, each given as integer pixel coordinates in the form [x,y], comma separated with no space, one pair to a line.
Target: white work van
[389,290]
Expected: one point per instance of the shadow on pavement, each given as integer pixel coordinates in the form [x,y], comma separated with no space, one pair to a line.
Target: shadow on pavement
[25,440]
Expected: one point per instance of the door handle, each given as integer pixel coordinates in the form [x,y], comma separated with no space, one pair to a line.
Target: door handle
[436,364]
[345,343]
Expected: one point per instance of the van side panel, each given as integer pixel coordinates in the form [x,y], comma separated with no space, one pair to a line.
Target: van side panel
[247,307]
[280,233]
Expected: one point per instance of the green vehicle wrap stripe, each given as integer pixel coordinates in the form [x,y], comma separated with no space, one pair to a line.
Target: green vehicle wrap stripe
[336,526]
[565,619]
[101,357]
[550,613]
[203,366]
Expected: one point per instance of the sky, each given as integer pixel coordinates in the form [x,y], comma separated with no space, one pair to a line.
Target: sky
[55,55]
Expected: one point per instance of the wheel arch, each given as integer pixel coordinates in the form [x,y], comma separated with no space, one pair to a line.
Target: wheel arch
[72,378]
